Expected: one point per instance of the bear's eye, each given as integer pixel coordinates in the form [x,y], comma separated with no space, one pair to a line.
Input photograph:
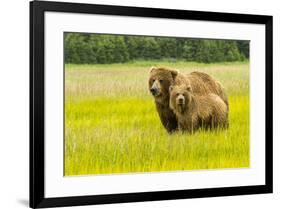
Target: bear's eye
[153,80]
[177,94]
[160,80]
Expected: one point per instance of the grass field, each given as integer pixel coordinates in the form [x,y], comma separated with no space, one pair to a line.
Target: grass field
[111,124]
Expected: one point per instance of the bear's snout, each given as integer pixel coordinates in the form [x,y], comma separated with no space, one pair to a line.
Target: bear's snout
[153,91]
[155,88]
[180,100]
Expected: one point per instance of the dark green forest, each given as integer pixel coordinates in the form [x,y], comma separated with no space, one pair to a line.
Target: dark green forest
[83,48]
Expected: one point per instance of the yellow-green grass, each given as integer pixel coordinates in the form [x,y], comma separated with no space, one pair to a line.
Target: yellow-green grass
[111,124]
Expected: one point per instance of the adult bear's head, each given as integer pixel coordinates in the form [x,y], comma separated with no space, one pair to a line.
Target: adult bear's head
[160,80]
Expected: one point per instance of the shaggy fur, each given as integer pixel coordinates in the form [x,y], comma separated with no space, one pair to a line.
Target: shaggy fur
[202,83]
[161,79]
[193,111]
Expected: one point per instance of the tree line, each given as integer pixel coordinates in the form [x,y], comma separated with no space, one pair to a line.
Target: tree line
[83,48]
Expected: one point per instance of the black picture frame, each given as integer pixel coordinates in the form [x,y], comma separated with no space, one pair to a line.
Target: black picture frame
[37,196]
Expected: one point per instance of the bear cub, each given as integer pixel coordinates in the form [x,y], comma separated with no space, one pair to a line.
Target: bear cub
[195,111]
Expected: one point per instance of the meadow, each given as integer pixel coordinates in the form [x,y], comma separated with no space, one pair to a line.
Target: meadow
[111,124]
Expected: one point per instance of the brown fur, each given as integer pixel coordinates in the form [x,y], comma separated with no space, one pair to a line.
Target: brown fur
[194,111]
[162,78]
[202,83]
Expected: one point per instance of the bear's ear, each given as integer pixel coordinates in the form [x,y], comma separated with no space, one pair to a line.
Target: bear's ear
[171,88]
[188,88]
[174,73]
[152,69]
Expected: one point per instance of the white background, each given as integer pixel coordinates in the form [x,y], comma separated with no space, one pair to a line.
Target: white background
[14,92]
[56,185]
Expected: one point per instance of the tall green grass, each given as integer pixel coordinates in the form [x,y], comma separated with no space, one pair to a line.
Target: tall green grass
[111,124]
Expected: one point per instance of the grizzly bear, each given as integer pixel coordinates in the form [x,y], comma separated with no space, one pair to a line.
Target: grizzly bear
[193,111]
[162,78]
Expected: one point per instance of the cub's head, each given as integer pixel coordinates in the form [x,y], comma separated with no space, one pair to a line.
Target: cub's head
[160,79]
[180,97]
